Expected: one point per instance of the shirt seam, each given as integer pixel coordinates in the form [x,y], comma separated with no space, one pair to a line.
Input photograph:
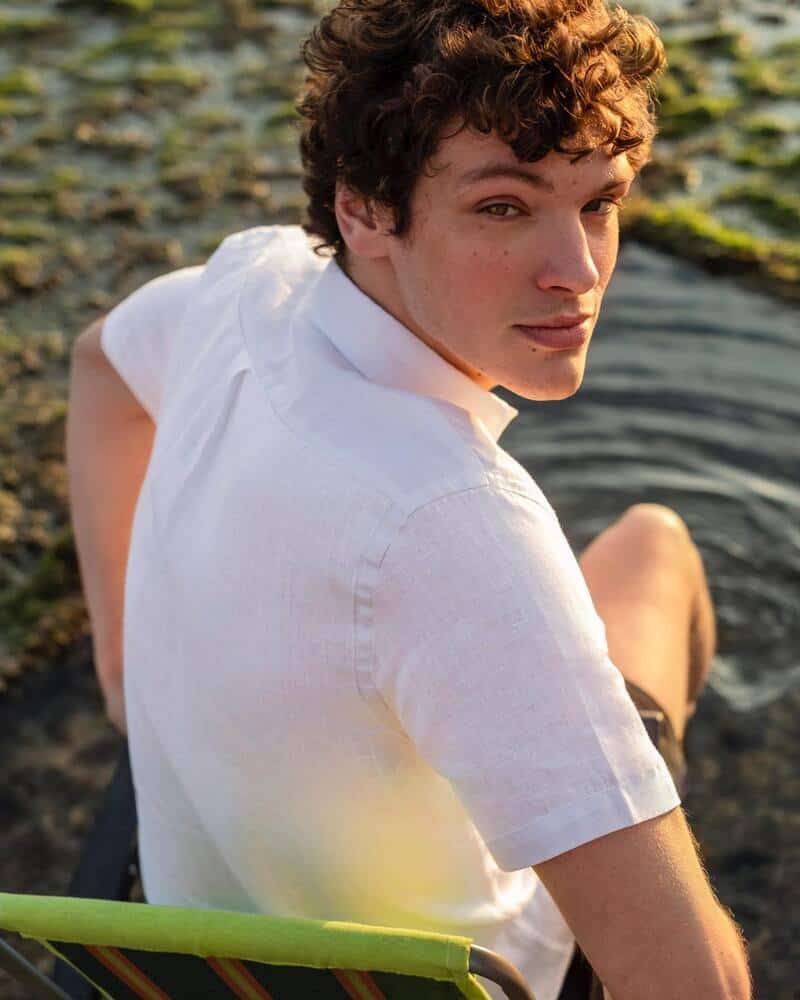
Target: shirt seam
[632,780]
[454,493]
[374,695]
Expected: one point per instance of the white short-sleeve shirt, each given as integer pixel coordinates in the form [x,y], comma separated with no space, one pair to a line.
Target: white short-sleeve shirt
[364,676]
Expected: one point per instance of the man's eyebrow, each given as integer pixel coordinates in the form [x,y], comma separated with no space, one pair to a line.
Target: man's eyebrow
[493,170]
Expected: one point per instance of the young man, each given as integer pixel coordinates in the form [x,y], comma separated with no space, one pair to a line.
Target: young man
[364,676]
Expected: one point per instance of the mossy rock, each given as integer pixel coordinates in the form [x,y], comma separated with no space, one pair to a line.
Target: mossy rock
[53,576]
[23,266]
[772,130]
[22,81]
[281,82]
[726,43]
[779,210]
[21,187]
[124,203]
[50,133]
[129,7]
[105,102]
[753,156]
[16,27]
[668,173]
[176,142]
[775,78]
[685,225]
[26,231]
[788,166]
[26,207]
[694,234]
[16,107]
[22,157]
[170,77]
[285,114]
[140,40]
[689,114]
[188,20]
[193,182]
[120,143]
[214,119]
[65,177]
[305,6]
[786,47]
[685,74]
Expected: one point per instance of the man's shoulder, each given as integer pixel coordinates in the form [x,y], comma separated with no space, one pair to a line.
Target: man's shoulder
[286,251]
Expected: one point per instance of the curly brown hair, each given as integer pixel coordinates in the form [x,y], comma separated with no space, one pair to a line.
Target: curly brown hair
[386,77]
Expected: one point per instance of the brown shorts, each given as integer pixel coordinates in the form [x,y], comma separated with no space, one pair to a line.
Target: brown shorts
[581,982]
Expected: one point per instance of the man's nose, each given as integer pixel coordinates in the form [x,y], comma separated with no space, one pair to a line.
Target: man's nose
[567,261]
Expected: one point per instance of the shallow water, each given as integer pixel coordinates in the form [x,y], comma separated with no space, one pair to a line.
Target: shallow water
[691,398]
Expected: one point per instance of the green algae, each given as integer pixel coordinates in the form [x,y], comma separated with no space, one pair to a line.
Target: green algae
[22,81]
[21,157]
[119,143]
[767,129]
[722,42]
[719,249]
[194,182]
[211,120]
[170,76]
[259,80]
[16,107]
[769,78]
[779,210]
[46,613]
[684,115]
[14,28]
[176,143]
[283,115]
[129,7]
[147,40]
[686,73]
[26,231]
[23,266]
[106,102]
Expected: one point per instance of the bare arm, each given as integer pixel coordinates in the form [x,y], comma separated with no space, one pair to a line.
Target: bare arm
[108,446]
[640,905]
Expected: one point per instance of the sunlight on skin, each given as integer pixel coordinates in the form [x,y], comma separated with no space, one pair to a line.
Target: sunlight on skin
[486,253]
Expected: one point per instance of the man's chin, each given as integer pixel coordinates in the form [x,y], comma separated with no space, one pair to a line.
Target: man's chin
[548,390]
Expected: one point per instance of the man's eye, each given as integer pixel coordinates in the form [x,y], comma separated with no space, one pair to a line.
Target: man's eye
[502,214]
[613,205]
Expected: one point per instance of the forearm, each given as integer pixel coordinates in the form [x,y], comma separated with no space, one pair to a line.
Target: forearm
[108,448]
[709,961]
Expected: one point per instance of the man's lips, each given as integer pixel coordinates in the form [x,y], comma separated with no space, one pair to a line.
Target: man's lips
[557,338]
[558,321]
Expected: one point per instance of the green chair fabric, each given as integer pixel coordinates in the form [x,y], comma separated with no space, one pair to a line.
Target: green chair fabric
[140,950]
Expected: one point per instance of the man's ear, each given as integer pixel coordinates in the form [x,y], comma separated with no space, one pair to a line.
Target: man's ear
[364,227]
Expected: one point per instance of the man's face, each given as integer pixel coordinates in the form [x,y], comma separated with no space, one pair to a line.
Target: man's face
[488,252]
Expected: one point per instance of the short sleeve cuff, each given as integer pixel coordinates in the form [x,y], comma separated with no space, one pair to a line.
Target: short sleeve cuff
[114,340]
[636,799]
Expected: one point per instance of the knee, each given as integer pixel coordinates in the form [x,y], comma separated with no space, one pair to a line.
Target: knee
[656,521]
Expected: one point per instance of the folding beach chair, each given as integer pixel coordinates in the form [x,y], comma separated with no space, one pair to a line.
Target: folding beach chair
[175,953]
[122,950]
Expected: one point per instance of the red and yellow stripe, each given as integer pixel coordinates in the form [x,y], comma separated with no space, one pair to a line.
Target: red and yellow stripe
[238,978]
[358,985]
[127,972]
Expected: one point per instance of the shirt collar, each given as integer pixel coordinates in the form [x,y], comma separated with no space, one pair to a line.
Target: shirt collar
[387,352]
